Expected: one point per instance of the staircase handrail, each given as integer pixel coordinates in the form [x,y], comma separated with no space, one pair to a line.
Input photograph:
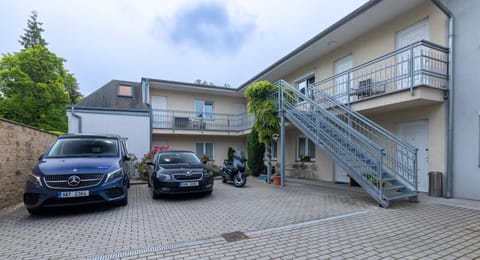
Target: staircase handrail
[329,115]
[368,122]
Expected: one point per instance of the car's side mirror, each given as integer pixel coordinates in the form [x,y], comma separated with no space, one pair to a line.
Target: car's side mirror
[41,157]
[150,163]
[126,157]
[204,161]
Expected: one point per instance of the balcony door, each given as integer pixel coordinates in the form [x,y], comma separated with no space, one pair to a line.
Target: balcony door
[159,112]
[405,37]
[342,81]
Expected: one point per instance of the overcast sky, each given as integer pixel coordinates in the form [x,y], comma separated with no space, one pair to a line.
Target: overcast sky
[223,42]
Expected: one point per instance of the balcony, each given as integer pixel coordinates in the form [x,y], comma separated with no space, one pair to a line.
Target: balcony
[187,122]
[414,75]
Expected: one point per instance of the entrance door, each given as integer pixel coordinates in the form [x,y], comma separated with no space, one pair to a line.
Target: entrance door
[416,134]
[159,112]
[341,82]
[405,37]
[341,174]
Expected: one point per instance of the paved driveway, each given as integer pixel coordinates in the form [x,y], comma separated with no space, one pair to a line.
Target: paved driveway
[299,221]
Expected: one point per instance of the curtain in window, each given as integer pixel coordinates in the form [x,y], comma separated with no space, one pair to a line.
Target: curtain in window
[302,147]
[311,149]
[199,149]
[199,108]
[209,150]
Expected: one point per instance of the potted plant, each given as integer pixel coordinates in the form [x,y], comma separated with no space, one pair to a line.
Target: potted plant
[205,158]
[304,158]
[277,180]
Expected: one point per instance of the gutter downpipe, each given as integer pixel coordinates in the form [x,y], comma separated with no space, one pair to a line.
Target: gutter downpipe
[449,166]
[79,120]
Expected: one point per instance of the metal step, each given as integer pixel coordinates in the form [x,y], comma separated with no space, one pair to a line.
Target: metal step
[394,187]
[397,196]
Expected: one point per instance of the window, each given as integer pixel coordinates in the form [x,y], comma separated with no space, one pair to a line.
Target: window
[203,108]
[305,147]
[204,148]
[125,91]
[305,85]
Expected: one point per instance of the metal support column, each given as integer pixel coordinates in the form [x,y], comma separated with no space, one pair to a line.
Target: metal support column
[282,147]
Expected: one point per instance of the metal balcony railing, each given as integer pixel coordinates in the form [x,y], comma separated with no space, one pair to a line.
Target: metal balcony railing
[187,120]
[420,64]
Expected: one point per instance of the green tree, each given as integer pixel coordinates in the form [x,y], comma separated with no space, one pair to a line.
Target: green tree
[256,150]
[33,33]
[32,84]
[35,87]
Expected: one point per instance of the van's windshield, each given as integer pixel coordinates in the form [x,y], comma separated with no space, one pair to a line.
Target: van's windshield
[84,147]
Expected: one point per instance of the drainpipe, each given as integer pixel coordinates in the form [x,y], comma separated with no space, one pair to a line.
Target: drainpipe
[79,120]
[449,166]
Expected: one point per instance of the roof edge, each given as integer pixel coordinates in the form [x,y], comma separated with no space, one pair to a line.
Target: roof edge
[317,37]
[179,83]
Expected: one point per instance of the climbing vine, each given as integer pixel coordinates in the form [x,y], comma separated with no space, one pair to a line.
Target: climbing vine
[266,119]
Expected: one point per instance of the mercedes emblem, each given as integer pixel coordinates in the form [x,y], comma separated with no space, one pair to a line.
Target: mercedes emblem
[73,181]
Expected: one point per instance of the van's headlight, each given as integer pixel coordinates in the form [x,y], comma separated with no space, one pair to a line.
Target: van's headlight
[114,175]
[34,178]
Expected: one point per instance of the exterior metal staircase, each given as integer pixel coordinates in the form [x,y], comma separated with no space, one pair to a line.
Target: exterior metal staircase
[383,165]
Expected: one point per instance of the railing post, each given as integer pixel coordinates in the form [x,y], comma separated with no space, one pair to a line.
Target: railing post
[380,174]
[348,87]
[415,170]
[411,69]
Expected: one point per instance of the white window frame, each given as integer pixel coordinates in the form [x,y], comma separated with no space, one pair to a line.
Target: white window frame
[204,104]
[307,89]
[308,142]
[204,150]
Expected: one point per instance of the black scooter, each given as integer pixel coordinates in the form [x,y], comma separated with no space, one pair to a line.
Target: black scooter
[234,171]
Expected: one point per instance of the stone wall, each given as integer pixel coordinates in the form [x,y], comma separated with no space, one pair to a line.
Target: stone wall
[21,146]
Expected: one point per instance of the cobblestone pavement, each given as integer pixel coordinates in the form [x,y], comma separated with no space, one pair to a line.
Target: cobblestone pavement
[299,221]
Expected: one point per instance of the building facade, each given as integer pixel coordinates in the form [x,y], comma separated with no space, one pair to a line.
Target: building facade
[388,60]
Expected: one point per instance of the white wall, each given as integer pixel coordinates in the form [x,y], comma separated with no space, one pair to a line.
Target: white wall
[135,127]
[466,155]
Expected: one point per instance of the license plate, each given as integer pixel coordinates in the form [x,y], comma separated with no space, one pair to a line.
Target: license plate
[73,194]
[188,184]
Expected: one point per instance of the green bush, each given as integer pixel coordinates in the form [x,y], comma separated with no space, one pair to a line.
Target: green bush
[256,152]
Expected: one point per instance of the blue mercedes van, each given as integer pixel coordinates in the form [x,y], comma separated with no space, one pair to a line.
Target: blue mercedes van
[79,169]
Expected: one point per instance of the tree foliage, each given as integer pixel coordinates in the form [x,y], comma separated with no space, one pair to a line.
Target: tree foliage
[33,33]
[35,88]
[266,120]
[256,150]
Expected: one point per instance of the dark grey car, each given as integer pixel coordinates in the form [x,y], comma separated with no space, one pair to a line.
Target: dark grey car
[179,172]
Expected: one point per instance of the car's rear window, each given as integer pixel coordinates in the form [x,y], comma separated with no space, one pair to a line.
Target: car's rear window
[84,147]
[173,158]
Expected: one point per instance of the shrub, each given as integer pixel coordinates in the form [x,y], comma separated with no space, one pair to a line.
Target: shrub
[256,152]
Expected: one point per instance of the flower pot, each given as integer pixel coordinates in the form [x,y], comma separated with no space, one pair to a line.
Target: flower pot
[277,180]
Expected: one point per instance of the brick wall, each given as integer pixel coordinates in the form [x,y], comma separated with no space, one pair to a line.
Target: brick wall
[20,147]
